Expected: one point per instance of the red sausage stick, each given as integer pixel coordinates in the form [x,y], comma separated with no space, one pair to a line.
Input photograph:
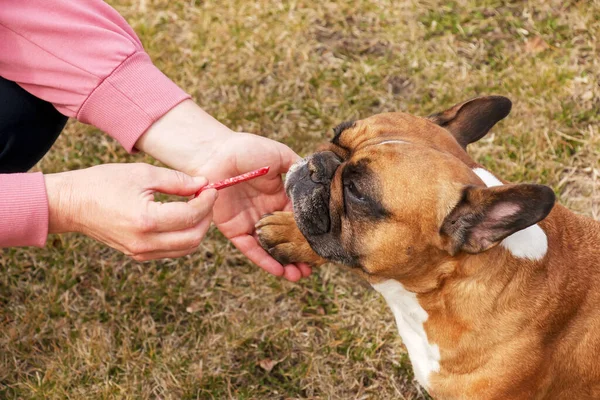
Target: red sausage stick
[234,180]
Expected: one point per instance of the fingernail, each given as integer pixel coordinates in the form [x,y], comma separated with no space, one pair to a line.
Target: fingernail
[215,193]
[200,180]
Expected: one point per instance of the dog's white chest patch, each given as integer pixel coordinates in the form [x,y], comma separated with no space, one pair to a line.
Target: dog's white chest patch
[531,242]
[410,317]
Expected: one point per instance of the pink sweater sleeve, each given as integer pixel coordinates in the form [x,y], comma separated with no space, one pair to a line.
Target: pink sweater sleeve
[23,210]
[85,59]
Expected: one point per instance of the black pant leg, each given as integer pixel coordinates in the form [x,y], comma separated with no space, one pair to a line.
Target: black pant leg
[29,126]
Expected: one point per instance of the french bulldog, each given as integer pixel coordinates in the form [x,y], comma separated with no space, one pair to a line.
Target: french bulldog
[495,288]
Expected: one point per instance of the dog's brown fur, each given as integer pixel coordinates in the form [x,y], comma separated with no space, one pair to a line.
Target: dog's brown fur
[506,327]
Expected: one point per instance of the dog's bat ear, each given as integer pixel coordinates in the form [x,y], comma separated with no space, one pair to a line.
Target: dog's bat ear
[470,121]
[485,216]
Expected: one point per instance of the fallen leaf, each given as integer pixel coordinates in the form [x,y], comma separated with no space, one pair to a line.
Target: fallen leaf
[535,45]
[194,307]
[267,364]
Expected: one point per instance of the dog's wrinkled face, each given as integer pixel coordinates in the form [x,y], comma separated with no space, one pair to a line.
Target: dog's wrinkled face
[379,191]
[385,195]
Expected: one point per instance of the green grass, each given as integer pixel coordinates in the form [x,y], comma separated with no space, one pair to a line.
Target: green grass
[81,321]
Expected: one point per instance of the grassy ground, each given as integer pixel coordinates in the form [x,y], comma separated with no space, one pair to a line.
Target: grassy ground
[80,321]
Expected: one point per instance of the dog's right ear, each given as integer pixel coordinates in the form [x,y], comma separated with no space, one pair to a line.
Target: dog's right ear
[485,216]
[470,121]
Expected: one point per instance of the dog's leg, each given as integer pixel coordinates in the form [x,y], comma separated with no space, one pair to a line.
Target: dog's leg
[280,237]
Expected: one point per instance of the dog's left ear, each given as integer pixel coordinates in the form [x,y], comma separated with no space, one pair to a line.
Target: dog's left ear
[485,216]
[470,121]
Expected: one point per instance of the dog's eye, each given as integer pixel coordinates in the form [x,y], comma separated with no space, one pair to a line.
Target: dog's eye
[353,191]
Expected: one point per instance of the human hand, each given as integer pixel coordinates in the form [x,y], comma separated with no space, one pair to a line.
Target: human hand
[241,206]
[114,204]
[190,140]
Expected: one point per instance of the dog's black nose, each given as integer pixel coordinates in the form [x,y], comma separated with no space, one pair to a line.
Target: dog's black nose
[322,167]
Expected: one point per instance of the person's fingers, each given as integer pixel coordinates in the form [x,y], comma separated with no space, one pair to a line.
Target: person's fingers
[288,206]
[178,215]
[251,249]
[157,255]
[291,273]
[169,181]
[208,196]
[305,269]
[175,240]
[287,156]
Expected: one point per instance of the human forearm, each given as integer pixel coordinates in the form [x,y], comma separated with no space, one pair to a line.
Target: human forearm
[185,138]
[61,202]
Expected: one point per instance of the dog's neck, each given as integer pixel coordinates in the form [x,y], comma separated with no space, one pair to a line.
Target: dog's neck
[411,313]
[410,319]
[478,307]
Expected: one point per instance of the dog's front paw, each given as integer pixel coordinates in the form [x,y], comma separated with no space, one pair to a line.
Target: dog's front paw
[281,238]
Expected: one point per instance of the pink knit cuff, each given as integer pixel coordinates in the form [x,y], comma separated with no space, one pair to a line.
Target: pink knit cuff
[131,99]
[23,210]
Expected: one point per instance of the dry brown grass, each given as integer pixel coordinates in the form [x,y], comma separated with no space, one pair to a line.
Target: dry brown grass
[78,320]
